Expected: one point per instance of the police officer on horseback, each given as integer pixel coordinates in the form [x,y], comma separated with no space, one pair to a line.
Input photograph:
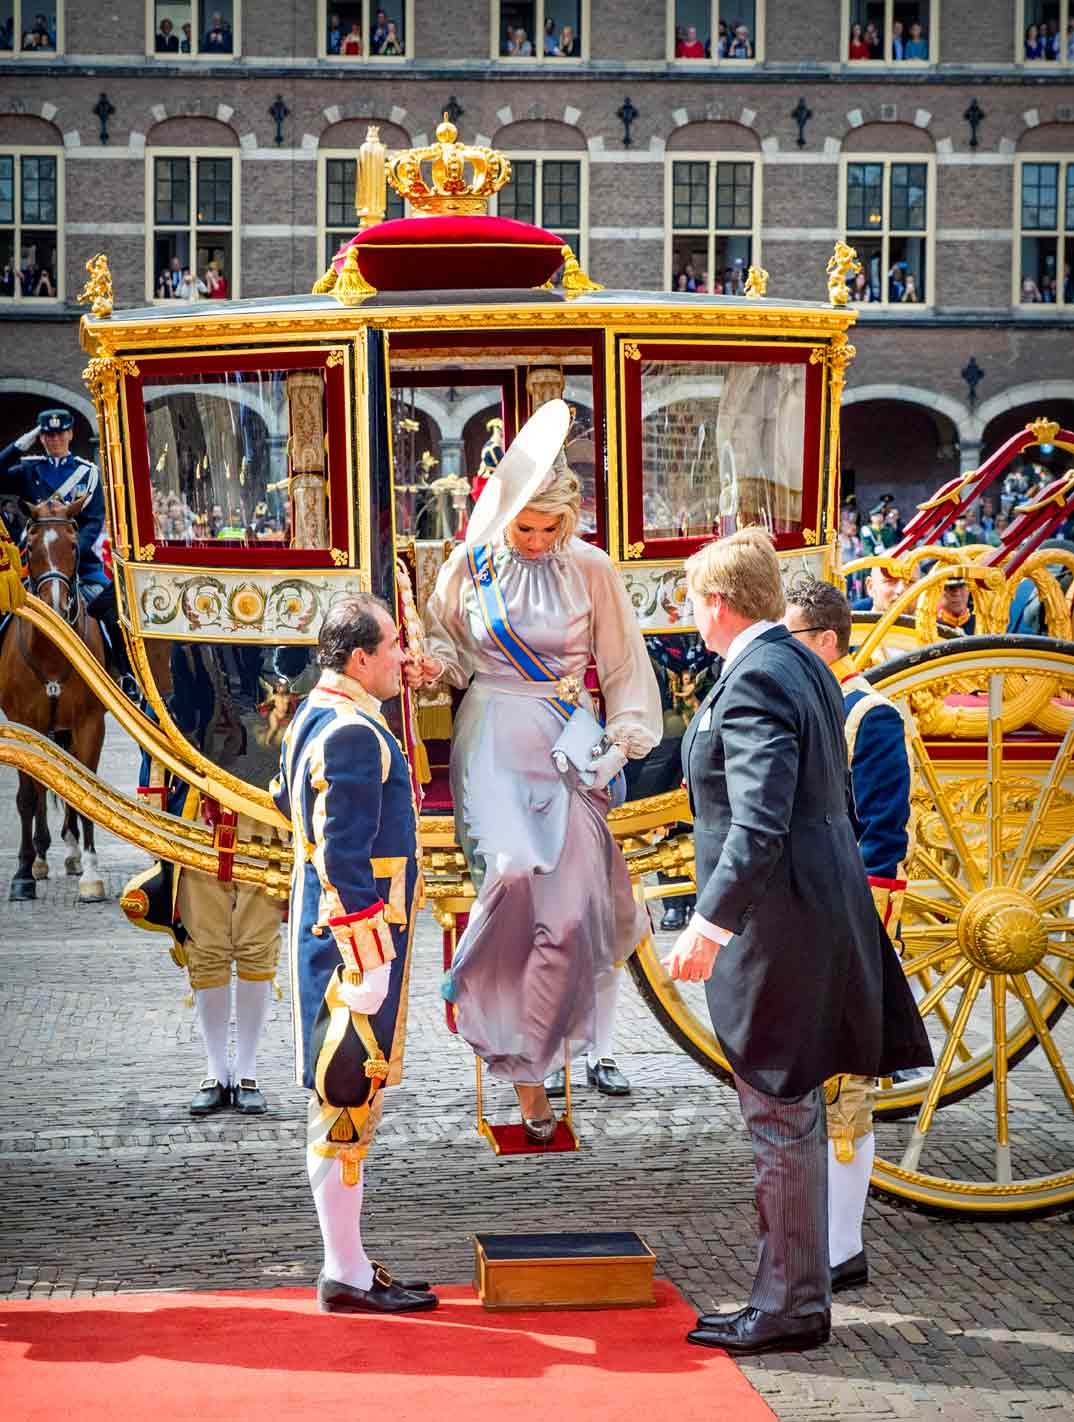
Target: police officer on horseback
[59,474]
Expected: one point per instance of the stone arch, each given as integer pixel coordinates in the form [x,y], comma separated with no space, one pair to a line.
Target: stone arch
[707,135]
[24,130]
[1057,138]
[888,136]
[536,135]
[349,133]
[48,390]
[1039,396]
[955,410]
[191,130]
[899,440]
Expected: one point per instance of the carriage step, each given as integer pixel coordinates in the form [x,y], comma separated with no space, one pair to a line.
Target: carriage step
[576,1270]
[510,1138]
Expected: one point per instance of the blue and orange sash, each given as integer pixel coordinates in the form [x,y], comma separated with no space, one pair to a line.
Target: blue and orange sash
[518,652]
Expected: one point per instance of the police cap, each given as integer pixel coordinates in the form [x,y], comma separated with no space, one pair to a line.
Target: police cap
[55,421]
[955,582]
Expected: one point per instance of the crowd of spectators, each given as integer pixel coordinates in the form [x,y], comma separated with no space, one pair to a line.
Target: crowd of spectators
[29,279]
[1044,41]
[217,39]
[40,35]
[730,282]
[559,42]
[901,285]
[384,37]
[180,283]
[1046,289]
[907,42]
[733,41]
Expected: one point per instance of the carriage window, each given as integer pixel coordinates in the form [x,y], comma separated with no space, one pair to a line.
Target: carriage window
[239,458]
[722,447]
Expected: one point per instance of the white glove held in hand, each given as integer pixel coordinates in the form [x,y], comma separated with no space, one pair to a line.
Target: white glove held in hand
[606,767]
[27,440]
[368,995]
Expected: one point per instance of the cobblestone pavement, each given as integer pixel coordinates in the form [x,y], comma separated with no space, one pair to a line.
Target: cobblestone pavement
[108,1185]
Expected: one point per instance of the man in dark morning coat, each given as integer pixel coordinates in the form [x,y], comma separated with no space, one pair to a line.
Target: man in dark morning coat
[802,982]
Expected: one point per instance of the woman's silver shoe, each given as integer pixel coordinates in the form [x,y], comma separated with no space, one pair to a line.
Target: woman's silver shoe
[540,1132]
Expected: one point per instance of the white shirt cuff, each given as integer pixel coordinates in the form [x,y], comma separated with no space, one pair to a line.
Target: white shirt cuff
[710,930]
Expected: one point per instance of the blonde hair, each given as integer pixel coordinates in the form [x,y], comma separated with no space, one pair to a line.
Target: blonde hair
[563,496]
[744,571]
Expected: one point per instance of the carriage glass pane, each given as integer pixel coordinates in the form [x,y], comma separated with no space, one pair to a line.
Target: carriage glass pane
[439,435]
[238,458]
[580,447]
[722,447]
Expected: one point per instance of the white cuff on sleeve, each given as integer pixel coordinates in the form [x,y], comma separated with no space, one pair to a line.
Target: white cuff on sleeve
[701,925]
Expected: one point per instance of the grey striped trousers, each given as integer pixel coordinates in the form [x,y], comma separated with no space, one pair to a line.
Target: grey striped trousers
[790,1174]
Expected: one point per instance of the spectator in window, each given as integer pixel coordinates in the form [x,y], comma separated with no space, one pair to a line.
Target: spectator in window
[392,43]
[334,38]
[191,287]
[352,40]
[551,40]
[872,39]
[896,282]
[740,46]
[858,48]
[43,284]
[217,37]
[185,42]
[1068,284]
[705,284]
[1049,33]
[681,282]
[164,290]
[860,289]
[909,292]
[521,46]
[722,40]
[917,46]
[1070,40]
[691,47]
[175,275]
[1034,45]
[1030,290]
[379,33]
[7,34]
[1047,289]
[898,41]
[568,45]
[167,41]
[216,282]
[40,35]
[10,281]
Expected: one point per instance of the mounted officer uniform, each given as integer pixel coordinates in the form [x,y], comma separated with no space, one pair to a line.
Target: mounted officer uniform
[37,477]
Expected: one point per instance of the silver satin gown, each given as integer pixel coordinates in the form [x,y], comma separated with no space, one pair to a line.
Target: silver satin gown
[554,912]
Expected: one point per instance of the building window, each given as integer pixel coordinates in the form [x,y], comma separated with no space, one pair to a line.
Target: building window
[1045,220]
[532,30]
[886,220]
[31,226]
[1045,32]
[28,28]
[190,28]
[361,29]
[891,31]
[549,191]
[715,30]
[338,222]
[713,238]
[193,216]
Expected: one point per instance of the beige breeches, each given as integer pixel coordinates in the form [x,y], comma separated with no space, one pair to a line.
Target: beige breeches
[227,923]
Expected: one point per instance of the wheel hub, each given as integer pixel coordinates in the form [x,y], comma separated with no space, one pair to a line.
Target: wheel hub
[1002,931]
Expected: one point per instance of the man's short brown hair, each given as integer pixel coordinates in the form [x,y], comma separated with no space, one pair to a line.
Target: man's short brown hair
[744,571]
[824,608]
[350,624]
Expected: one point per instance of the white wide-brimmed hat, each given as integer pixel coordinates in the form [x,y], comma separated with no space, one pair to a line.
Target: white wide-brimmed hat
[520,474]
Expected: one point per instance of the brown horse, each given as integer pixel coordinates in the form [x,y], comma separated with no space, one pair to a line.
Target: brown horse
[39,688]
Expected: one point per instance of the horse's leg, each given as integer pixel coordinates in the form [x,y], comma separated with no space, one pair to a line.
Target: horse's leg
[22,885]
[73,862]
[86,742]
[42,838]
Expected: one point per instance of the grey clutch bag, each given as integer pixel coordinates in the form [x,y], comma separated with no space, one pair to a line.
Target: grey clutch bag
[584,747]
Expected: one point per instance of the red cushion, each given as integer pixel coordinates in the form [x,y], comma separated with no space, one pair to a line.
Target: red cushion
[454,254]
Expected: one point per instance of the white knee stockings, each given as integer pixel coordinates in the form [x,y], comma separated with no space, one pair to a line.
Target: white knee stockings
[253,1001]
[213,1008]
[339,1213]
[848,1189]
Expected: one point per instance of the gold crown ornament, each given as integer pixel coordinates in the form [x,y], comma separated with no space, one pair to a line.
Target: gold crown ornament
[448,178]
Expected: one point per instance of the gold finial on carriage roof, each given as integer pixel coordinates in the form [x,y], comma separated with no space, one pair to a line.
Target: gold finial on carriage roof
[1043,430]
[98,288]
[370,184]
[448,178]
[756,281]
[842,263]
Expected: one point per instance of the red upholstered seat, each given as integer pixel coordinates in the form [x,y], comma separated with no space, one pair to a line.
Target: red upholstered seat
[454,254]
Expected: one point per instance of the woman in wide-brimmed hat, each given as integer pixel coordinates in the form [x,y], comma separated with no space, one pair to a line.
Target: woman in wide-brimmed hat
[518,614]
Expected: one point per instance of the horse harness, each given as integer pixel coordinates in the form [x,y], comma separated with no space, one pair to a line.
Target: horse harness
[74,615]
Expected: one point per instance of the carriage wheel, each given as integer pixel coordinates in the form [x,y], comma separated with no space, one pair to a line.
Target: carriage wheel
[988,931]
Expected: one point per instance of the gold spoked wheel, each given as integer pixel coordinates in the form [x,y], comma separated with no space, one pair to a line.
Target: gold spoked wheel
[988,933]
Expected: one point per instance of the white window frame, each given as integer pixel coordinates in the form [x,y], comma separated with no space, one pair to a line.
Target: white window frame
[151,225]
[889,59]
[537,38]
[369,10]
[1066,14]
[195,50]
[34,56]
[1065,164]
[324,157]
[885,231]
[714,29]
[540,156]
[713,231]
[19,152]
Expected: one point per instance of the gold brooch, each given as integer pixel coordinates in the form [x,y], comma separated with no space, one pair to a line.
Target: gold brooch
[569,689]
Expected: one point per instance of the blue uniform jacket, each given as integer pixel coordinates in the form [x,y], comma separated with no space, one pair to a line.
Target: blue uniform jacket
[880,776]
[344,784]
[36,477]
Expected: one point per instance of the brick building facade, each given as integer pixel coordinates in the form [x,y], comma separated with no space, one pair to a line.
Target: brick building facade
[956,169]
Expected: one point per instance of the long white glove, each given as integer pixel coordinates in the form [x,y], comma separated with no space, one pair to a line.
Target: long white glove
[26,441]
[606,767]
[368,995]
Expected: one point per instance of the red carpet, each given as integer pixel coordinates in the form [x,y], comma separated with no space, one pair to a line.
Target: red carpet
[228,1357]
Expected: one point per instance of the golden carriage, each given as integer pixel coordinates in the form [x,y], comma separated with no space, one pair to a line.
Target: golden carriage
[263,458]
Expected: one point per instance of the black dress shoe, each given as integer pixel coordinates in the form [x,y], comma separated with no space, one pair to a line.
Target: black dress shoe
[751,1331]
[851,1274]
[555,1084]
[249,1099]
[607,1077]
[384,1295]
[674,919]
[412,1286]
[210,1097]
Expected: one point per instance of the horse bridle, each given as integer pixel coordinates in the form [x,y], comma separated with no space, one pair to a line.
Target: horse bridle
[69,580]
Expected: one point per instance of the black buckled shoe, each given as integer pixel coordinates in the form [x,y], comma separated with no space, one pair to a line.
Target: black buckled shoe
[607,1077]
[674,919]
[412,1286]
[555,1084]
[853,1273]
[384,1295]
[210,1097]
[249,1098]
[750,1331]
